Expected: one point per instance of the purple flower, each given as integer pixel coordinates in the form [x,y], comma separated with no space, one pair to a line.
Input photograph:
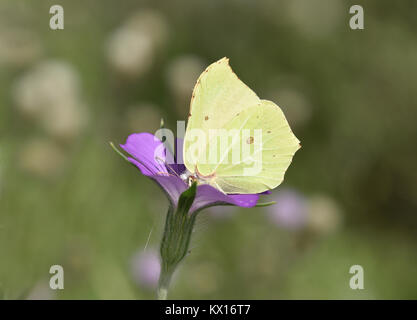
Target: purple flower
[149,154]
[146,267]
[290,210]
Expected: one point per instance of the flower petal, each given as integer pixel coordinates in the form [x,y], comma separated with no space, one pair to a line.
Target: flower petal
[208,196]
[176,163]
[172,186]
[148,153]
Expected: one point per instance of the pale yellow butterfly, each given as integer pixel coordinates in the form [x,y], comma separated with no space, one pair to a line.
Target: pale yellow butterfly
[258,144]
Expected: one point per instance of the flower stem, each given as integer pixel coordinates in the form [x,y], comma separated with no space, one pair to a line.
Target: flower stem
[162,293]
[164,281]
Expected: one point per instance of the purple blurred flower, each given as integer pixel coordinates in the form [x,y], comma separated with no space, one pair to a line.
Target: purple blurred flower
[145,268]
[149,155]
[290,210]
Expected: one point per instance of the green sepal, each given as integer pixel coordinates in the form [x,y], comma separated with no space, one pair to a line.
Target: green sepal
[118,152]
[265,204]
[177,235]
[187,198]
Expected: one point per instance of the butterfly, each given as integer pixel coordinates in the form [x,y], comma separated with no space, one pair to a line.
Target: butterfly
[235,141]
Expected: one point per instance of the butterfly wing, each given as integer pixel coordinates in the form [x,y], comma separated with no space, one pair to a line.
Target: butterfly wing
[259,144]
[267,146]
[217,96]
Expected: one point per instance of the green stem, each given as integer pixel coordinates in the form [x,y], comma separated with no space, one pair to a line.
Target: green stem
[162,293]
[164,281]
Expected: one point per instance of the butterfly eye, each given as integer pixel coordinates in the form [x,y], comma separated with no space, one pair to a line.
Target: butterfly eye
[249,140]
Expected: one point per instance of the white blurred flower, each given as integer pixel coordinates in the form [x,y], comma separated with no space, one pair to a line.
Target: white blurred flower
[41,291]
[18,46]
[130,52]
[325,215]
[182,75]
[316,17]
[151,22]
[131,48]
[41,157]
[47,83]
[66,120]
[143,117]
[145,268]
[50,94]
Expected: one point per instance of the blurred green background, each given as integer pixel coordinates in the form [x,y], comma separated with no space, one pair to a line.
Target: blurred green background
[119,66]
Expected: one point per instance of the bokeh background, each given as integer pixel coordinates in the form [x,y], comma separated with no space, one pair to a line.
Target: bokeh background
[119,66]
